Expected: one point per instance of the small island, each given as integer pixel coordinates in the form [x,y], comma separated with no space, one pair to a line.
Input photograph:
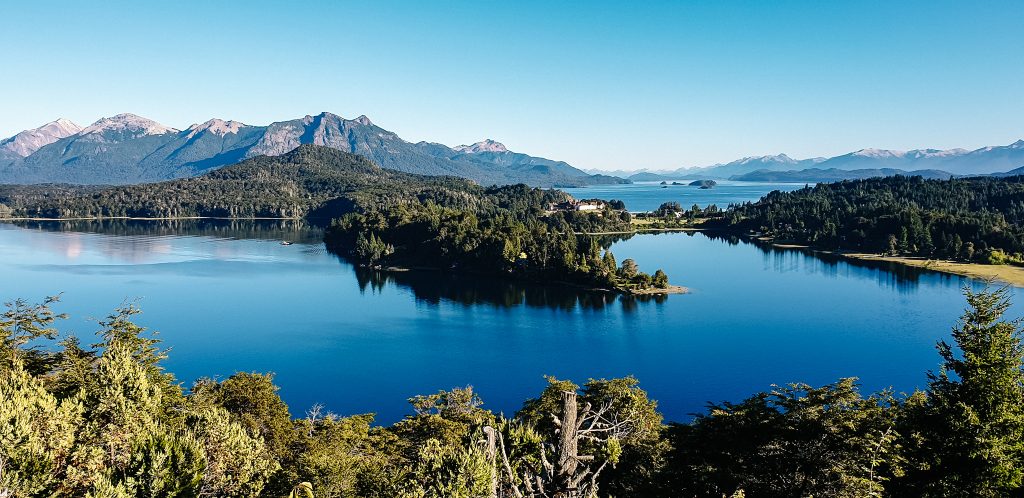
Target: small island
[704,184]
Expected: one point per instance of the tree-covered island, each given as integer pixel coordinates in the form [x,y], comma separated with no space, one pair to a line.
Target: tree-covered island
[538,235]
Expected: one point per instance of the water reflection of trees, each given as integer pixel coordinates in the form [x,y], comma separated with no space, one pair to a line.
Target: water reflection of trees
[434,287]
[903,278]
[286,230]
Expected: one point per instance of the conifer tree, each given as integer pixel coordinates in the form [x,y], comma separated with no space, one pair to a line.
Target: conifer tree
[974,437]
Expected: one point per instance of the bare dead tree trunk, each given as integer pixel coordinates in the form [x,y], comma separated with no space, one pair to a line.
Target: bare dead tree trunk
[570,474]
[568,449]
[492,458]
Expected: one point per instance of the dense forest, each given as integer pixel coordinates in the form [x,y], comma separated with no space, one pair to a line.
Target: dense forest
[978,219]
[308,182]
[107,420]
[514,231]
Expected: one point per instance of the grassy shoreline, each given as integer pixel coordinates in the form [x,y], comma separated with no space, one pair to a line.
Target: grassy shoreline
[1013,275]
[671,289]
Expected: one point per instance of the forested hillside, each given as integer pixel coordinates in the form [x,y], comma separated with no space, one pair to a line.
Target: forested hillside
[816,175]
[310,181]
[969,219]
[108,420]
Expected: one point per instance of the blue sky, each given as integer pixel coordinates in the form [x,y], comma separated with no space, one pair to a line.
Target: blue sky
[601,85]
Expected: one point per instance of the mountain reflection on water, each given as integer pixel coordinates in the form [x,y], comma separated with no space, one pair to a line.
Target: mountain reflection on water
[895,275]
[296,231]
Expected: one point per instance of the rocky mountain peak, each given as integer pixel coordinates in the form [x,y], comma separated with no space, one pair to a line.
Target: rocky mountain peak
[484,146]
[331,117]
[29,141]
[130,123]
[217,127]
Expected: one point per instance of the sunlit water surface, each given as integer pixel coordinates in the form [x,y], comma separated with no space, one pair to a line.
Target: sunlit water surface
[229,297]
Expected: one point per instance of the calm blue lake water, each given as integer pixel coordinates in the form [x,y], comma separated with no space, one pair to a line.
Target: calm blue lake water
[230,298]
[647,196]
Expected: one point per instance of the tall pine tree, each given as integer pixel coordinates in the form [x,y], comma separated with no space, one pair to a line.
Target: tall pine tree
[973,428]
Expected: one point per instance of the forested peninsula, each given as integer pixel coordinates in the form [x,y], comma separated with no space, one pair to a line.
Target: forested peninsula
[944,224]
[107,420]
[382,218]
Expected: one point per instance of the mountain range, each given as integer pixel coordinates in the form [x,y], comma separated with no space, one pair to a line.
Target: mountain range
[126,149]
[940,163]
[819,175]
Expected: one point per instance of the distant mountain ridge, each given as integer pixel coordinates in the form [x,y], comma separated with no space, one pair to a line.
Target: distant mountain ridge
[986,160]
[127,148]
[819,175]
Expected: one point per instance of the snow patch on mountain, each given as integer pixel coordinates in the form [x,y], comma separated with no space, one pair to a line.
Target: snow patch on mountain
[779,158]
[484,146]
[909,154]
[923,153]
[879,153]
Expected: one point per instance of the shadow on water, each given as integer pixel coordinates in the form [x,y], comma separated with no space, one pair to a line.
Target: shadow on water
[296,231]
[434,287]
[900,277]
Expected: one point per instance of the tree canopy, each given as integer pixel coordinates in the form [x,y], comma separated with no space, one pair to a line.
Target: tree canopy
[108,420]
[978,219]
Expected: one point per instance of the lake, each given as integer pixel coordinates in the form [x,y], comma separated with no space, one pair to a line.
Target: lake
[228,297]
[647,196]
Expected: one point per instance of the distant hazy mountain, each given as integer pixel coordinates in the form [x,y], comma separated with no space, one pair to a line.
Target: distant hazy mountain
[780,162]
[957,161]
[130,149]
[1013,172]
[819,175]
[985,160]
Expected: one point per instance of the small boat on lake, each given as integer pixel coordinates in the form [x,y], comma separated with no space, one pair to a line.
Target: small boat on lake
[285,243]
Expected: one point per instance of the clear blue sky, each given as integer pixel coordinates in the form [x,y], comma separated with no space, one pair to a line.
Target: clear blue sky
[605,85]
